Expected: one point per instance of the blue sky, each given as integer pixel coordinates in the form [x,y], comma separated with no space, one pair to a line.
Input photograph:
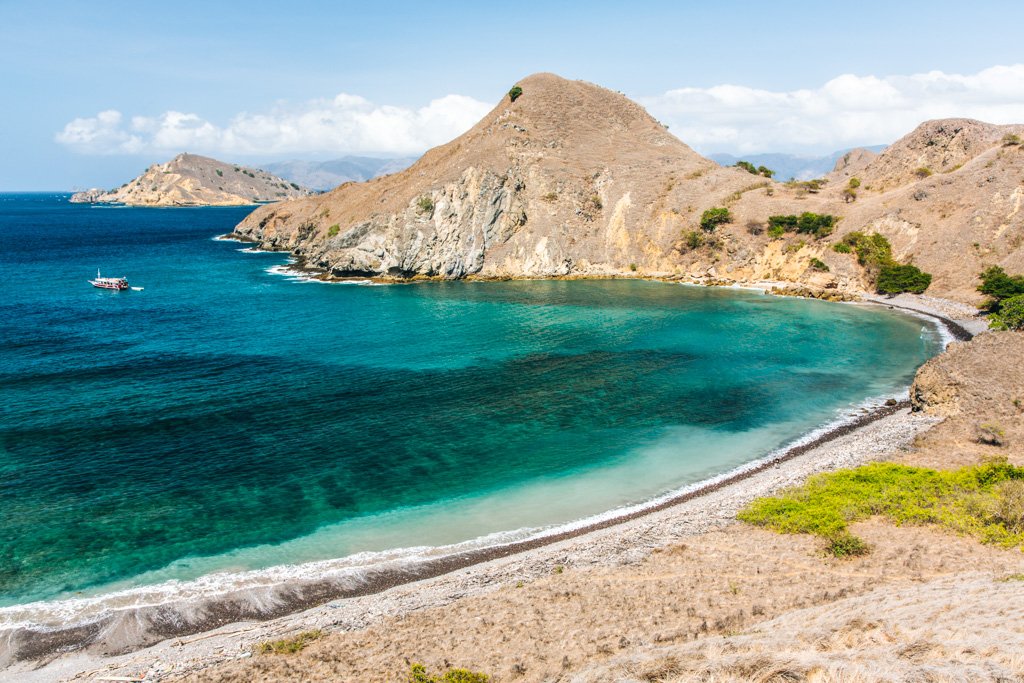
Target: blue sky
[243,81]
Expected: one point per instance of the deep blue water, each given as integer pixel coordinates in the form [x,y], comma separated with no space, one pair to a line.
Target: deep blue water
[227,417]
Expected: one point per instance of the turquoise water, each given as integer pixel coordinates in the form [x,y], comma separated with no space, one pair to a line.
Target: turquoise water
[230,418]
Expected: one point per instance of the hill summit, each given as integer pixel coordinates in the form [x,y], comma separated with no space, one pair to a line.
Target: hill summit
[193,180]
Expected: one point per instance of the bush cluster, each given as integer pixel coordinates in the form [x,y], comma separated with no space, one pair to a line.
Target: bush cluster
[425,205]
[418,674]
[894,278]
[755,170]
[288,646]
[875,253]
[712,218]
[985,501]
[693,239]
[998,287]
[1010,315]
[817,224]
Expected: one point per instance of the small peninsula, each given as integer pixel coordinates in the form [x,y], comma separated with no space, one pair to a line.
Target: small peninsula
[193,180]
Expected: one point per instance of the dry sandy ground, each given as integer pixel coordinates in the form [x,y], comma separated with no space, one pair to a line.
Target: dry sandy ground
[576,625]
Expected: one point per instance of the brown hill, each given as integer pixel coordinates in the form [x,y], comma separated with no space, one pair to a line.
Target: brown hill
[193,180]
[573,179]
[568,179]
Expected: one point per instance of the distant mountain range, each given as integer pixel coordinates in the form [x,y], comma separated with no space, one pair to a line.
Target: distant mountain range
[327,175]
[787,166]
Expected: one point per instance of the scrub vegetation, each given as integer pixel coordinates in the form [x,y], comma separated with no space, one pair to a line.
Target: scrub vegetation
[418,674]
[984,501]
[288,646]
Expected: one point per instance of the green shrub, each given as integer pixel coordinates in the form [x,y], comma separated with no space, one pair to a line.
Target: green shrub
[873,251]
[854,183]
[999,286]
[288,646]
[550,197]
[515,92]
[765,171]
[845,544]
[922,171]
[894,278]
[712,218]
[818,264]
[333,230]
[418,674]
[1010,315]
[693,239]
[976,501]
[776,231]
[747,166]
[220,173]
[842,248]
[425,205]
[819,225]
[787,223]
[1011,139]
[294,186]
[632,267]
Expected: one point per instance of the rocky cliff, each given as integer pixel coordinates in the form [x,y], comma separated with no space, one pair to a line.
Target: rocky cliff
[192,180]
[572,179]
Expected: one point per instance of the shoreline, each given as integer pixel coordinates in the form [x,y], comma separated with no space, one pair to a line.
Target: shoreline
[159,625]
[907,302]
[625,540]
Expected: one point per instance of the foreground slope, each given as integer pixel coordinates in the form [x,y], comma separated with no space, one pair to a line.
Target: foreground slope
[193,180]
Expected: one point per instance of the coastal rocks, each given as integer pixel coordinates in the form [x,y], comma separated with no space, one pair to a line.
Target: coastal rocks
[89,196]
[805,292]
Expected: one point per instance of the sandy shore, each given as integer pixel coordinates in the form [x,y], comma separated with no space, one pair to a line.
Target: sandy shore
[623,541]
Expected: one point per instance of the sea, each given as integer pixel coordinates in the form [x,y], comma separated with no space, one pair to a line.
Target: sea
[229,422]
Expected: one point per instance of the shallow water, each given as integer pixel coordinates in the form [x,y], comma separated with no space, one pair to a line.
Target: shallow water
[229,418]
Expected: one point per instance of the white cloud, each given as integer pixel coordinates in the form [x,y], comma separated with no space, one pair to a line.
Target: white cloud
[343,124]
[848,110]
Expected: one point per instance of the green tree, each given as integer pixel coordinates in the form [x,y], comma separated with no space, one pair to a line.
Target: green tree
[999,286]
[895,278]
[747,166]
[1010,315]
[515,92]
[712,218]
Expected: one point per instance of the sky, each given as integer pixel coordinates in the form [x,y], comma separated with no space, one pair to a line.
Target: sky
[95,92]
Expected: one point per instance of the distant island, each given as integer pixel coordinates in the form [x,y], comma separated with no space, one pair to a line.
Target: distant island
[193,180]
